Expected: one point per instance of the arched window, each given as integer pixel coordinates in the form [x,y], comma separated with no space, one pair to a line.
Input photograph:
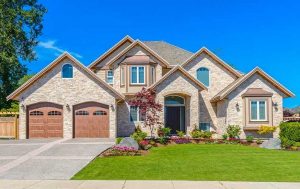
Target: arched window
[67,71]
[174,100]
[203,75]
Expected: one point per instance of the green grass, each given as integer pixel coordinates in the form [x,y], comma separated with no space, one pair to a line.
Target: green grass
[198,162]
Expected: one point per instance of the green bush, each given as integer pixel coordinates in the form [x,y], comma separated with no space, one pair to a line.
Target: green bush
[118,140]
[163,131]
[162,140]
[225,136]
[290,131]
[196,133]
[297,144]
[206,134]
[180,133]
[233,131]
[138,135]
[249,138]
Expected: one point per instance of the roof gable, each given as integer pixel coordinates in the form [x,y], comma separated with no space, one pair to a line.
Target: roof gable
[184,72]
[226,91]
[214,57]
[127,38]
[142,45]
[52,65]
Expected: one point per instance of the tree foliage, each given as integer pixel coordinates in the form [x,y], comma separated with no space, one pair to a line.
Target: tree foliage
[20,26]
[148,107]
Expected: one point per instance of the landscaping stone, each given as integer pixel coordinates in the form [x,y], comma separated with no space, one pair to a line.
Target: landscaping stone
[273,143]
[129,142]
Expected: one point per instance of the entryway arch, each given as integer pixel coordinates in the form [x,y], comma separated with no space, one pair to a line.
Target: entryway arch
[175,113]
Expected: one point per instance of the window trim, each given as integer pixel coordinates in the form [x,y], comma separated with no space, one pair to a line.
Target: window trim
[122,75]
[137,75]
[208,76]
[62,73]
[138,116]
[174,105]
[258,111]
[107,76]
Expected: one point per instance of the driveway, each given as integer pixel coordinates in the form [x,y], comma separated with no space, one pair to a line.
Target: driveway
[44,159]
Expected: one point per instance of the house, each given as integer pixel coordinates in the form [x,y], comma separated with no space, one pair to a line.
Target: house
[68,99]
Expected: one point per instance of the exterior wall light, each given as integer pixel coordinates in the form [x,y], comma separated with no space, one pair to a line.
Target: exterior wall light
[237,106]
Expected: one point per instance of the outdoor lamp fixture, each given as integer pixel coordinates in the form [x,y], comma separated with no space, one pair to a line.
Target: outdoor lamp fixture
[23,107]
[68,107]
[237,106]
[112,107]
[275,104]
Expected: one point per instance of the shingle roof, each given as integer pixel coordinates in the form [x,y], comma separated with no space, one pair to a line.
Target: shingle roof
[173,54]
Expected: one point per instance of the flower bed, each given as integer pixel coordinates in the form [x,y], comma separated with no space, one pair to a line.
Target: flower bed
[121,151]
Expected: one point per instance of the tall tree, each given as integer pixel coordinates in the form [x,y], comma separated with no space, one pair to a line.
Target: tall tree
[20,26]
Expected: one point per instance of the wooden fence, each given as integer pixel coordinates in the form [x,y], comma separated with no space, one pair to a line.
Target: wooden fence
[9,125]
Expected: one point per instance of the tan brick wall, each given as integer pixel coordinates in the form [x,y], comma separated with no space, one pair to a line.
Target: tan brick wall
[52,88]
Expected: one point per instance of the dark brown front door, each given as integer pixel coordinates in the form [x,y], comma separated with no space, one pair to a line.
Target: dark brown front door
[172,119]
[45,120]
[91,120]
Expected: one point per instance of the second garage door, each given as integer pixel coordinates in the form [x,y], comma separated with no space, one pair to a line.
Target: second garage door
[91,120]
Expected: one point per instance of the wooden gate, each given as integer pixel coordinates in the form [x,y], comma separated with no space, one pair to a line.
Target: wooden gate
[9,125]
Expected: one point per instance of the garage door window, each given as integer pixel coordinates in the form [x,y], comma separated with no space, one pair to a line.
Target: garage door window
[36,113]
[53,113]
[81,112]
[99,112]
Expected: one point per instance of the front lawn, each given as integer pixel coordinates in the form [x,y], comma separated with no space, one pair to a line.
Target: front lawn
[198,162]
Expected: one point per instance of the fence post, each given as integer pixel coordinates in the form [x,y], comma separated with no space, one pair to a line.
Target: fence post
[16,127]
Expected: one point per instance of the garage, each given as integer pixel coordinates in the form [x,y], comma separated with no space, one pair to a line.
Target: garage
[91,120]
[45,120]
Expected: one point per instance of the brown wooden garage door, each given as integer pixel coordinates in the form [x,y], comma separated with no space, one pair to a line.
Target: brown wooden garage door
[91,120]
[45,120]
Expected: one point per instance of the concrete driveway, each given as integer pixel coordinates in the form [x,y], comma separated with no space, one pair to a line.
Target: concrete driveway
[44,159]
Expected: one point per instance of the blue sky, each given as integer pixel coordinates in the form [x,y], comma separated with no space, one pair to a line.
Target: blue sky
[244,33]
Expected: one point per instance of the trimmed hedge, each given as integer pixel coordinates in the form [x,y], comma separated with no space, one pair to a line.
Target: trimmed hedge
[289,133]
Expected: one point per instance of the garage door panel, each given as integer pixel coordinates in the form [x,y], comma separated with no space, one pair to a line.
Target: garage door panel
[91,120]
[45,120]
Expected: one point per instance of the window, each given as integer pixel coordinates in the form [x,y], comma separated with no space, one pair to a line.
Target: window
[67,71]
[36,113]
[82,112]
[110,77]
[174,100]
[122,76]
[204,126]
[135,114]
[99,112]
[203,76]
[53,113]
[152,77]
[258,110]
[137,75]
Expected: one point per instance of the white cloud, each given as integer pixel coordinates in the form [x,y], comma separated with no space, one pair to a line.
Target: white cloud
[50,44]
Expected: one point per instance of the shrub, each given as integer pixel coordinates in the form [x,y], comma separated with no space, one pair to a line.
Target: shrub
[249,138]
[145,145]
[162,140]
[225,136]
[233,131]
[138,135]
[290,131]
[259,141]
[196,133]
[206,134]
[180,133]
[286,143]
[265,129]
[118,140]
[163,131]
[297,144]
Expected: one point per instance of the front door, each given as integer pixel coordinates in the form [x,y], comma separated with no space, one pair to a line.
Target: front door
[174,118]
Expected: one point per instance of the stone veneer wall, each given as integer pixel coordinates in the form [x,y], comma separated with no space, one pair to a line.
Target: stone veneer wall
[219,78]
[81,88]
[236,117]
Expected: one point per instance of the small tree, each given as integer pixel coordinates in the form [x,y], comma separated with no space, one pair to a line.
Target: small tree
[148,107]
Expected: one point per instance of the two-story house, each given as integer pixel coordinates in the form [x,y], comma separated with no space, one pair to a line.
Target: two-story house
[68,99]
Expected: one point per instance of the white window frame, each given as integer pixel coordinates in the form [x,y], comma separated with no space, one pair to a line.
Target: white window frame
[137,75]
[257,110]
[107,76]
[138,115]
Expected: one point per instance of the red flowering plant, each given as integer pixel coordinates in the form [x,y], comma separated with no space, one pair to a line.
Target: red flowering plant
[148,107]
[145,144]
[123,151]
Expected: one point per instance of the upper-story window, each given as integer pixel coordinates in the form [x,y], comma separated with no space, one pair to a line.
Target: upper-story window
[137,75]
[67,71]
[110,77]
[258,110]
[203,75]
